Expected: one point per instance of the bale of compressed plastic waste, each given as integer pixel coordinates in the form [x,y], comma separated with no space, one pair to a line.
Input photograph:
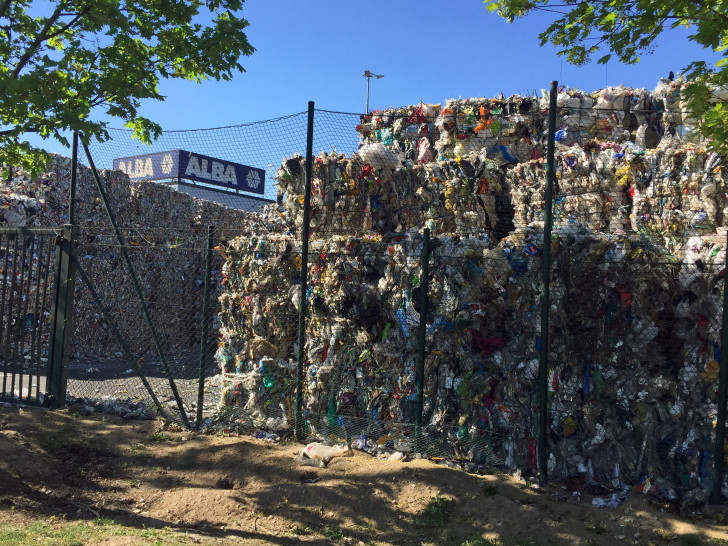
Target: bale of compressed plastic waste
[165,233]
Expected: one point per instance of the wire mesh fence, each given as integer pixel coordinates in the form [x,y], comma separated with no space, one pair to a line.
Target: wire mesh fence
[635,268]
[27,258]
[142,334]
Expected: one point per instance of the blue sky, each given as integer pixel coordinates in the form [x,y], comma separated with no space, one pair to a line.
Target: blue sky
[428,51]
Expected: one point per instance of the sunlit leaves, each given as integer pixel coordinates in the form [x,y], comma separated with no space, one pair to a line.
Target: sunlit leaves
[627,28]
[65,58]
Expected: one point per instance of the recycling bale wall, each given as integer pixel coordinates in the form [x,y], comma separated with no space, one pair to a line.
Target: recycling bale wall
[637,255]
[374,192]
[165,234]
[633,369]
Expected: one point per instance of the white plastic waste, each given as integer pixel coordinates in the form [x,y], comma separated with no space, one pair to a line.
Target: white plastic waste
[318,454]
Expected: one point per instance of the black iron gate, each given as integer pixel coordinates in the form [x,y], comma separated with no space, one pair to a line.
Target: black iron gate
[29,271]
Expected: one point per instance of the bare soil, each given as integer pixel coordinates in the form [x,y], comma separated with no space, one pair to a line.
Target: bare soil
[220,489]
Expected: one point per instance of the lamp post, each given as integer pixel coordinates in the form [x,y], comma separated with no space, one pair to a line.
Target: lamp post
[368,75]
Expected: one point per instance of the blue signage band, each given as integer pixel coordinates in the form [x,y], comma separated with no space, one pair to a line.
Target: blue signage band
[185,165]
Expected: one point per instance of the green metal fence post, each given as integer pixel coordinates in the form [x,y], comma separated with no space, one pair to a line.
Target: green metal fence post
[304,277]
[420,379]
[204,341]
[137,288]
[114,328]
[60,342]
[545,292]
[719,459]
[74,171]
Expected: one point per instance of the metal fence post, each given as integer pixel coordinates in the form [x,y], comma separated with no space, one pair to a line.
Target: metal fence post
[545,291]
[114,329]
[304,277]
[60,342]
[204,341]
[137,288]
[420,379]
[74,171]
[719,459]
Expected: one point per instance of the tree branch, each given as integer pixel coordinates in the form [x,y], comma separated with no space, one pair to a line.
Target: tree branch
[39,39]
[11,131]
[4,7]
[72,22]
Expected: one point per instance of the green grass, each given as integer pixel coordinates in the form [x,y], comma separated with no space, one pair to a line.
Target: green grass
[480,542]
[595,527]
[61,533]
[65,534]
[490,490]
[437,512]
[334,532]
[690,540]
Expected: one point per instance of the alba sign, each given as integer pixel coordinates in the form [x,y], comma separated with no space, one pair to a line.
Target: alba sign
[191,166]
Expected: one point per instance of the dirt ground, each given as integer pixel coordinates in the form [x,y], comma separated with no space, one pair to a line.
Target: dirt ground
[217,489]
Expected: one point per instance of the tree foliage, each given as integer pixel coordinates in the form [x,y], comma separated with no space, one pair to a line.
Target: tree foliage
[63,59]
[583,30]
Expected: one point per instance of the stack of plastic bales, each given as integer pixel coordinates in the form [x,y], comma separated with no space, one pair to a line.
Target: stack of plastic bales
[165,231]
[374,192]
[637,250]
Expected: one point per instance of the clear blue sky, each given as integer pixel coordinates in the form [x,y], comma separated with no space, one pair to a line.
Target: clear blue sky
[428,51]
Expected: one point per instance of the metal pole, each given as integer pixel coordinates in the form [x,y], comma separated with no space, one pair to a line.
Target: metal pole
[204,341]
[58,352]
[74,170]
[137,288]
[420,379]
[135,364]
[304,276]
[367,110]
[719,459]
[545,291]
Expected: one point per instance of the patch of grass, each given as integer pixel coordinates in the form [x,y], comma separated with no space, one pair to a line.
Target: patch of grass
[490,490]
[690,540]
[334,532]
[436,513]
[597,527]
[159,437]
[479,541]
[664,534]
[138,448]
[42,532]
[303,530]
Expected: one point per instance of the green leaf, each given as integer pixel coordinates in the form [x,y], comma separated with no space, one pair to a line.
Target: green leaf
[60,67]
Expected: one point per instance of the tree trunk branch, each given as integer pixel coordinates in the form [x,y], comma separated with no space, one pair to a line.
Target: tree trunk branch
[39,39]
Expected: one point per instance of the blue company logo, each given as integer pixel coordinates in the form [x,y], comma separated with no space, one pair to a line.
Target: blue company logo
[190,166]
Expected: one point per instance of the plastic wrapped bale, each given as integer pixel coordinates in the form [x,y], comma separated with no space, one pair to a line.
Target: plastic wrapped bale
[505,128]
[161,218]
[410,130]
[350,197]
[258,328]
[357,375]
[465,333]
[620,407]
[667,194]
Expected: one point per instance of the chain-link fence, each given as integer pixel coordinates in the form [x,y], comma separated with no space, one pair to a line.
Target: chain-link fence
[324,319]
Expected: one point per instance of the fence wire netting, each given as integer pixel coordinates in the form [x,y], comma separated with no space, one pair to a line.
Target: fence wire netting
[123,340]
[635,258]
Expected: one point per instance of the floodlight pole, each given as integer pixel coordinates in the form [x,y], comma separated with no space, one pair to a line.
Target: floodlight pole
[368,75]
[368,79]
